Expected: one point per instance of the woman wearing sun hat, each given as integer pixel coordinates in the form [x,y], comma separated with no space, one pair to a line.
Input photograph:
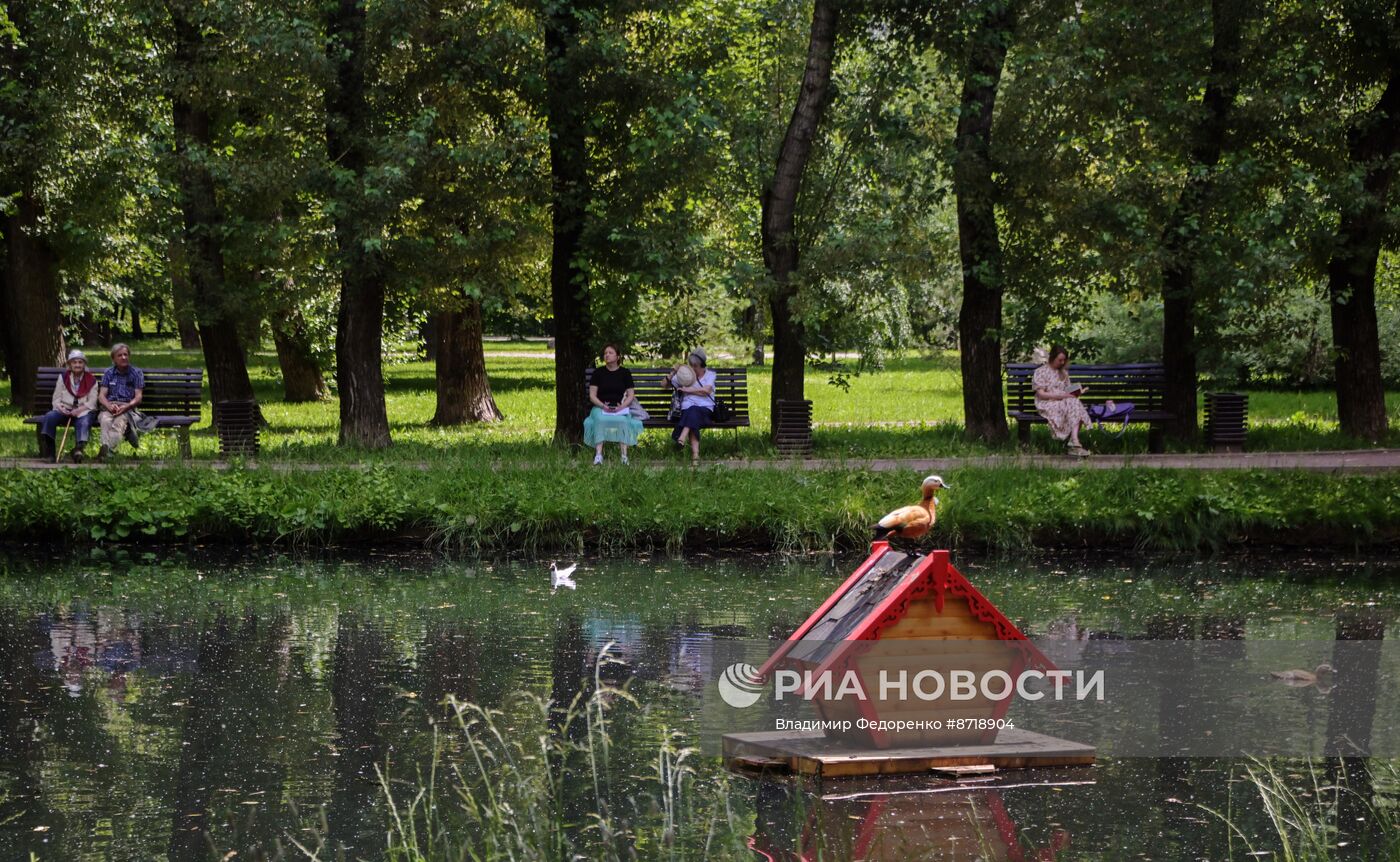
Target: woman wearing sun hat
[75,401]
[696,383]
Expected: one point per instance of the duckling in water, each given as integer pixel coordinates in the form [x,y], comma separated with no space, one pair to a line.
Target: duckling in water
[913,522]
[1321,677]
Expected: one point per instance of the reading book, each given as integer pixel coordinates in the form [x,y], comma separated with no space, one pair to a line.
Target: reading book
[1075,388]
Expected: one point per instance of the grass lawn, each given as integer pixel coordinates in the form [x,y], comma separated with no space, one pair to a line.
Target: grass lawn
[911,408]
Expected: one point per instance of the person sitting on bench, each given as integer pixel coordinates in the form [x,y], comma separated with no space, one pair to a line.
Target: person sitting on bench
[696,383]
[75,401]
[1057,399]
[119,393]
[612,392]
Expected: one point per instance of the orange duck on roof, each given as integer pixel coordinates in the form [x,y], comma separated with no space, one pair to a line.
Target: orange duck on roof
[913,522]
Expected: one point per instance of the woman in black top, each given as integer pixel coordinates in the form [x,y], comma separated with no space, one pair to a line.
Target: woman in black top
[610,421]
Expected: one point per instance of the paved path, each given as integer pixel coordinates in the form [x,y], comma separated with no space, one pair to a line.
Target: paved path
[1370,461]
[1345,461]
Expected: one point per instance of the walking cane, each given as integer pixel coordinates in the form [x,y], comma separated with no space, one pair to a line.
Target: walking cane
[59,454]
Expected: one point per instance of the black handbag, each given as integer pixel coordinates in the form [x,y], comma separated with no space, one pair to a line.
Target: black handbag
[675,414]
[722,412]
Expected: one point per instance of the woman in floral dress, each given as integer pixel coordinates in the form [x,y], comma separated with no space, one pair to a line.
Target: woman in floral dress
[1060,406]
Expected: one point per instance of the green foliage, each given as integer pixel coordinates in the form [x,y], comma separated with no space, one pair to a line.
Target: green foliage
[524,508]
[685,104]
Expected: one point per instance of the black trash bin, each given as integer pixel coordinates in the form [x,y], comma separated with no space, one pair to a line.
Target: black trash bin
[1227,418]
[237,425]
[792,428]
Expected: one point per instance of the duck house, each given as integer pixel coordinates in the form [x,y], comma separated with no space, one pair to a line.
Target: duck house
[909,667]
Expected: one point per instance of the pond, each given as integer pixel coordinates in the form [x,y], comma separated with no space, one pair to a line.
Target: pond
[194,705]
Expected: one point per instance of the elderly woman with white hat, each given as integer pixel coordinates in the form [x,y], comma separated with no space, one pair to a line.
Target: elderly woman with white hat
[74,401]
[696,383]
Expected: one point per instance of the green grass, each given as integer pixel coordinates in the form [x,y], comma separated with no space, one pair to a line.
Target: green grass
[911,408]
[1314,816]
[562,504]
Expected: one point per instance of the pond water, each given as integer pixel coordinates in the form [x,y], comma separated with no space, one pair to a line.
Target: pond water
[192,705]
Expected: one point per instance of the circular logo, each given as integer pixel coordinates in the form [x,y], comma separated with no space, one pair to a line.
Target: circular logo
[740,685]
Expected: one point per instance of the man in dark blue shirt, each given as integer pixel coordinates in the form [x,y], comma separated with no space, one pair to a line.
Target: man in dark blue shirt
[118,393]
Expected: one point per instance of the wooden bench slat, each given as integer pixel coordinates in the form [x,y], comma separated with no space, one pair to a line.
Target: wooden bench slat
[174,396]
[649,386]
[1142,383]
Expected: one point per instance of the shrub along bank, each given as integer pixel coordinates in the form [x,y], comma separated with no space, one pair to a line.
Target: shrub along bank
[552,507]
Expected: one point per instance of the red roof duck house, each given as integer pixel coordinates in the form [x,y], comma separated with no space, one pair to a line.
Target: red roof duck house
[898,622]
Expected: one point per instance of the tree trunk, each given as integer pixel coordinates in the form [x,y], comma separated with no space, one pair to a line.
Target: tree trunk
[979,246]
[778,228]
[1179,290]
[182,293]
[1373,142]
[364,418]
[301,373]
[428,332]
[463,391]
[755,324]
[224,360]
[570,191]
[92,334]
[33,327]
[136,333]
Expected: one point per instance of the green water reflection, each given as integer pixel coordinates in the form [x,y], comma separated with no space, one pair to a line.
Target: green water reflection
[190,706]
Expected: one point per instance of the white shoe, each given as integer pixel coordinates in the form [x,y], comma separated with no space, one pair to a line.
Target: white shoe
[598,459]
[624,459]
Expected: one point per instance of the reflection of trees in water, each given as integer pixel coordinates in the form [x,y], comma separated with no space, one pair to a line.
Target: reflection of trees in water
[448,662]
[239,711]
[26,698]
[1356,658]
[363,699]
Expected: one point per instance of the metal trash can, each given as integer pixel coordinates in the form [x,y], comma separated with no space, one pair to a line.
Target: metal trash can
[792,428]
[237,425]
[1227,418]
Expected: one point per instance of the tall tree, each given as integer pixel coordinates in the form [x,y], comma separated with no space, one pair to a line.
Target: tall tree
[463,391]
[1373,151]
[181,293]
[32,329]
[364,419]
[979,246]
[570,192]
[215,310]
[778,228]
[1179,289]
[301,370]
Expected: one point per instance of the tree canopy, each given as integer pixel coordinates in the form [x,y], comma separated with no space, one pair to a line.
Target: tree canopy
[1205,182]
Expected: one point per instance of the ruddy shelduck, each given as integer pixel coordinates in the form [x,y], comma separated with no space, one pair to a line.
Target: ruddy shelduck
[913,522]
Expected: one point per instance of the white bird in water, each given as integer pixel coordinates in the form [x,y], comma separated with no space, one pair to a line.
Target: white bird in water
[561,577]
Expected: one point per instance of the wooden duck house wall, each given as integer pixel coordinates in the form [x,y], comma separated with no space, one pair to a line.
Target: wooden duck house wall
[903,614]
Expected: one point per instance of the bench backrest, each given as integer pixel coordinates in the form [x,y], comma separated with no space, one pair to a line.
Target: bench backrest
[1143,383]
[731,385]
[169,391]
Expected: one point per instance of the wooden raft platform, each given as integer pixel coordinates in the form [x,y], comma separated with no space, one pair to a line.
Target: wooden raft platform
[812,753]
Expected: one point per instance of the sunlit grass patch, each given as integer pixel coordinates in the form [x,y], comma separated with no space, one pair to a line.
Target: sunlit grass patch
[909,408]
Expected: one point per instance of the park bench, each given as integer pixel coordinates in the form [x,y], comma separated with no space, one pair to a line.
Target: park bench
[649,384]
[1142,383]
[172,395]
